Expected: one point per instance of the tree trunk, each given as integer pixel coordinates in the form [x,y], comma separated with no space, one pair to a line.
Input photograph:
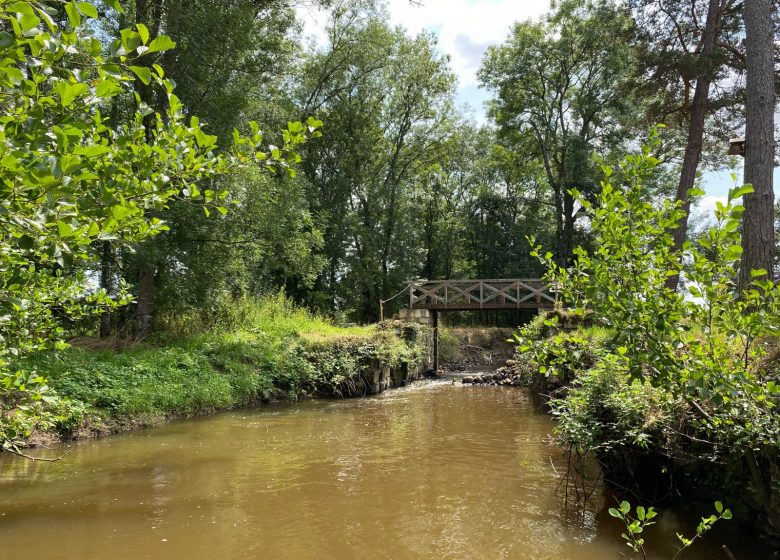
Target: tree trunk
[696,128]
[144,301]
[758,219]
[568,229]
[106,283]
[561,258]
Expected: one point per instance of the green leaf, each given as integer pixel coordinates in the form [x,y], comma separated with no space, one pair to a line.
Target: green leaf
[64,229]
[116,5]
[734,252]
[92,151]
[70,92]
[741,191]
[108,88]
[88,10]
[74,17]
[26,242]
[120,212]
[113,70]
[143,31]
[696,192]
[161,43]
[143,73]
[6,39]
[29,22]
[23,8]
[130,40]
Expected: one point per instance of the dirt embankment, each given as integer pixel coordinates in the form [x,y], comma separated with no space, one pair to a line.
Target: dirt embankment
[468,348]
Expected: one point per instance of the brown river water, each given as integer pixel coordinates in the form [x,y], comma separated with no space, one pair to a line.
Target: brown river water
[434,470]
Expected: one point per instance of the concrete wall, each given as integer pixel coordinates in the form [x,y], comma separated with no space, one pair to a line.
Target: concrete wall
[419,316]
[378,376]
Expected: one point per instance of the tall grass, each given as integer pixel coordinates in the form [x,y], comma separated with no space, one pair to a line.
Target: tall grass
[275,315]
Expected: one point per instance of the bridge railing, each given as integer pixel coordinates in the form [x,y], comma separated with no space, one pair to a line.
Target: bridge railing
[523,293]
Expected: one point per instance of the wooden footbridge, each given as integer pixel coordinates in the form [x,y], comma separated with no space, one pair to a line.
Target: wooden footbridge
[475,295]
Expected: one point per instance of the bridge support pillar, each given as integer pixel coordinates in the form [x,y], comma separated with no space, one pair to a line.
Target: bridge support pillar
[435,319]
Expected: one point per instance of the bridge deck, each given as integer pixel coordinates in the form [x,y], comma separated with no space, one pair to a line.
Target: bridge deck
[469,295]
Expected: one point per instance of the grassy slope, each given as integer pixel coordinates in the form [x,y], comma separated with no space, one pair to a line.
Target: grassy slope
[278,352]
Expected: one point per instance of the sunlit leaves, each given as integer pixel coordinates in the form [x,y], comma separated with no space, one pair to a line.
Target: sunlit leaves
[143,72]
[161,43]
[68,180]
[700,345]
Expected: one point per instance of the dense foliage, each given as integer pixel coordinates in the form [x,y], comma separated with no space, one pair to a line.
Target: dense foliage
[678,371]
[401,184]
[73,179]
[132,209]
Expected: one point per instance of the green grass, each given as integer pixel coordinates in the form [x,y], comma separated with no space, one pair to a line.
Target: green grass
[277,351]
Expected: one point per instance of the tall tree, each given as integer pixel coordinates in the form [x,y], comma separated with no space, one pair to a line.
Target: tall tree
[758,219]
[559,98]
[475,208]
[233,60]
[698,112]
[690,57]
[386,98]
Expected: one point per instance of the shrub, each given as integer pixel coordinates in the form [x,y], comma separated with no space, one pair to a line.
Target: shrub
[700,345]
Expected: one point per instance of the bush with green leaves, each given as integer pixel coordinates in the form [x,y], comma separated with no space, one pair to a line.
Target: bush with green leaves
[701,345]
[636,523]
[563,353]
[72,176]
[606,412]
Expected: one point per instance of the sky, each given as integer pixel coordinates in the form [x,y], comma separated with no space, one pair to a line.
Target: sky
[465,28]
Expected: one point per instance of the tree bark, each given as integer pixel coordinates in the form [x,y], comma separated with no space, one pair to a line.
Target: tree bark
[695,141]
[144,301]
[106,283]
[568,229]
[758,219]
[561,258]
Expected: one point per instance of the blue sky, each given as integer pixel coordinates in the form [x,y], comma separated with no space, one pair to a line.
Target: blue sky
[465,28]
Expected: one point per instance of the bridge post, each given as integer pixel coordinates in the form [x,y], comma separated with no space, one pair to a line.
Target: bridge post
[435,341]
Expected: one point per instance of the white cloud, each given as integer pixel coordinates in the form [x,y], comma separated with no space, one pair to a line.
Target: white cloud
[465,28]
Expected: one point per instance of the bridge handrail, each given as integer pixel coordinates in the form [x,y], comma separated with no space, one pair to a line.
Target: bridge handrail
[493,280]
[503,293]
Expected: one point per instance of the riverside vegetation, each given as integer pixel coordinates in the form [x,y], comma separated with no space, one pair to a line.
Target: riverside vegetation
[671,392]
[258,351]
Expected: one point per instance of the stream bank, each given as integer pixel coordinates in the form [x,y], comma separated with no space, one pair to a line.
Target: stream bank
[649,441]
[105,390]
